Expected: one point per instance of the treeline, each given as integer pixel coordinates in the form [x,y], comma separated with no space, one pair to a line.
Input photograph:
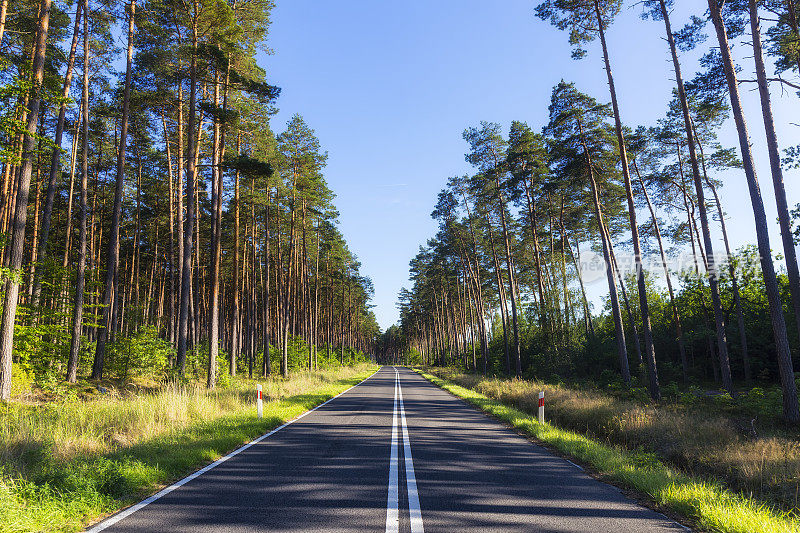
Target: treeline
[514,235]
[156,207]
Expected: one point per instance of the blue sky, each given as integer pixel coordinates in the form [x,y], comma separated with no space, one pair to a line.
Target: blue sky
[390,86]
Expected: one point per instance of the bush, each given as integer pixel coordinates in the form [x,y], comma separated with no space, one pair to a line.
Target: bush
[142,354]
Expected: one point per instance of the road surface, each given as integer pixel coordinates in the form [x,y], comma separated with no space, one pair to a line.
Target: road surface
[393,454]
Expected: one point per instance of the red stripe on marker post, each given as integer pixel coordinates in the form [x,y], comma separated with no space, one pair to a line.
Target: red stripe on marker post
[541,407]
[259,401]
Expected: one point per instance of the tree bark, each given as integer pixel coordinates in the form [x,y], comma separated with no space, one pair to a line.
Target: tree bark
[790,403]
[236,319]
[21,209]
[3,13]
[113,242]
[80,274]
[186,270]
[649,350]
[216,245]
[784,220]
[622,352]
[55,163]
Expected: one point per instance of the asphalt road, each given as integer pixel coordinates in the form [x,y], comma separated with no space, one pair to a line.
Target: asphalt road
[392,454]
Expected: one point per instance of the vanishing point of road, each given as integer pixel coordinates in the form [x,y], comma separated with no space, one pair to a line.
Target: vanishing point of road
[396,454]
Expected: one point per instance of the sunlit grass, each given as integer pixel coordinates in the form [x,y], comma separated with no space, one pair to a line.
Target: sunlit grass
[710,505]
[64,464]
[700,434]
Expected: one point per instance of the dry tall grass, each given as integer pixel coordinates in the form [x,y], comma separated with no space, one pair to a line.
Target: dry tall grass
[697,440]
[69,428]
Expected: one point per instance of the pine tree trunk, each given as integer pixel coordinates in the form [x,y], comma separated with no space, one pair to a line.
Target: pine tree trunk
[3,14]
[236,319]
[80,274]
[789,253]
[737,300]
[172,291]
[72,169]
[649,350]
[675,314]
[55,161]
[502,297]
[576,259]
[713,281]
[790,404]
[113,242]
[216,245]
[510,272]
[267,325]
[636,344]
[198,294]
[21,209]
[536,256]
[315,322]
[186,270]
[179,226]
[479,290]
[622,352]
[32,267]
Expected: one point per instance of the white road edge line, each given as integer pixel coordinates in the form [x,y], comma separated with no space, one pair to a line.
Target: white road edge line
[579,467]
[393,496]
[414,512]
[463,401]
[144,503]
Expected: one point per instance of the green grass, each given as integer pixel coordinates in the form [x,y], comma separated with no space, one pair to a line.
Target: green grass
[708,504]
[64,465]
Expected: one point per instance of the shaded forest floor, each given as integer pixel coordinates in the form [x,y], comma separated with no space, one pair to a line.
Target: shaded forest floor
[66,459]
[739,442]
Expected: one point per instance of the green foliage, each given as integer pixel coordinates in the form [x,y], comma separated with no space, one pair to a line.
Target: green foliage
[783,42]
[142,354]
[10,125]
[581,18]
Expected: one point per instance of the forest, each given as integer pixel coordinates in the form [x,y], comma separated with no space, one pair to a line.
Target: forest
[166,251]
[501,289]
[153,222]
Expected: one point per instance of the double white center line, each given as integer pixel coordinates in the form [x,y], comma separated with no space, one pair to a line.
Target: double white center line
[392,502]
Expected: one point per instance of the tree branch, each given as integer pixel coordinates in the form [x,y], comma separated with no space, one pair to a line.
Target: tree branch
[779,80]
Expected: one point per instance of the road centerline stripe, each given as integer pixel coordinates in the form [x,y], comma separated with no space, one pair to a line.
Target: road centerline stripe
[414,511]
[393,496]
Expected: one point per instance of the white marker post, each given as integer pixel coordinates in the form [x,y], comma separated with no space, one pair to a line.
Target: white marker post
[259,401]
[541,407]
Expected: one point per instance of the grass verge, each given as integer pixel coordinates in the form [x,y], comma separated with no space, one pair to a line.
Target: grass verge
[63,466]
[710,505]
